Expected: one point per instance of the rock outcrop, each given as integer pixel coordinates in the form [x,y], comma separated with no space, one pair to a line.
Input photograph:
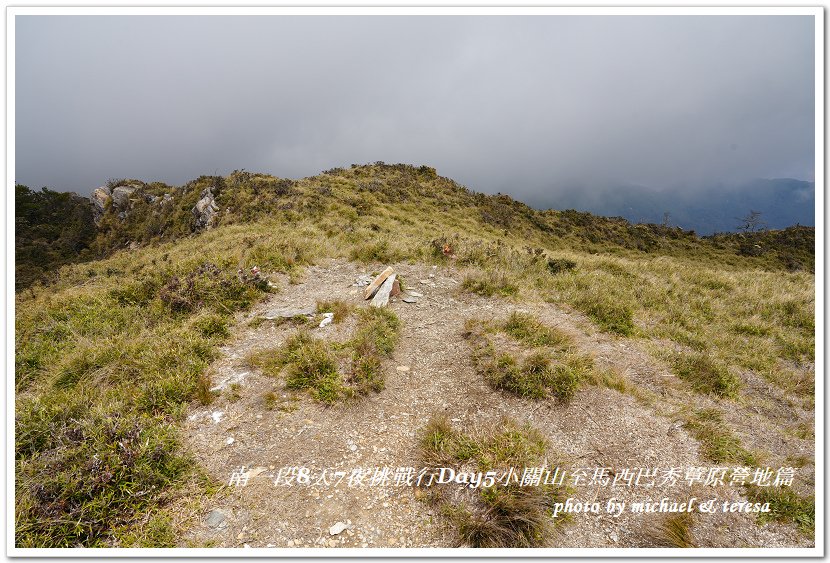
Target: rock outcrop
[121,197]
[205,211]
[100,197]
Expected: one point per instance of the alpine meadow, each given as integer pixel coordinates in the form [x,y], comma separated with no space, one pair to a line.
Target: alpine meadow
[170,337]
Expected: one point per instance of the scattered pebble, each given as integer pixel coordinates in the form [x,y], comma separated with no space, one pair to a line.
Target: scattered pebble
[337,528]
[402,368]
[230,440]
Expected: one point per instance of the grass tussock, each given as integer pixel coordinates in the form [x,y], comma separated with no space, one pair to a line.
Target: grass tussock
[610,315]
[374,340]
[339,308]
[706,375]
[528,330]
[312,364]
[673,530]
[489,284]
[505,514]
[785,506]
[549,367]
[716,440]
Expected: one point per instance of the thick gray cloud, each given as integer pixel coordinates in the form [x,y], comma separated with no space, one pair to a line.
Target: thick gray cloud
[523,105]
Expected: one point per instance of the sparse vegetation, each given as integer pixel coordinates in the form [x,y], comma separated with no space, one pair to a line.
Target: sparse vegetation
[311,363]
[717,442]
[705,375]
[673,530]
[505,514]
[549,368]
[339,308]
[528,330]
[489,284]
[786,506]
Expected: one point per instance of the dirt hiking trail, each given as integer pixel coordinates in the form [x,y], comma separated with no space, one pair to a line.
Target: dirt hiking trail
[431,372]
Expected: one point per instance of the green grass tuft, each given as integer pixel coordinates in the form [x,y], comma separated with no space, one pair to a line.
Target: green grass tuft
[489,284]
[528,330]
[786,506]
[673,530]
[610,316]
[716,440]
[341,309]
[705,375]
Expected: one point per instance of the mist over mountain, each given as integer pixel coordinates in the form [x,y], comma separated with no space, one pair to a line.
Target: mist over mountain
[782,202]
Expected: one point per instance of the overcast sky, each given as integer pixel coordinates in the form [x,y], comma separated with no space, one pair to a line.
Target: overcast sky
[523,105]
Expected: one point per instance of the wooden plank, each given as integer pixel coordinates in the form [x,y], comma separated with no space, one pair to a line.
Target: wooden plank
[373,287]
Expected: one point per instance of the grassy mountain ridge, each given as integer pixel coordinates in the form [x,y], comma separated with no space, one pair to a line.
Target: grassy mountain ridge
[358,192]
[112,352]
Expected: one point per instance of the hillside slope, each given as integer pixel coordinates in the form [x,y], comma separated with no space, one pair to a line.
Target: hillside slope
[115,355]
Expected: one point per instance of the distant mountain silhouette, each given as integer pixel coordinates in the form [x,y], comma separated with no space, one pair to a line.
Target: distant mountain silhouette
[782,202]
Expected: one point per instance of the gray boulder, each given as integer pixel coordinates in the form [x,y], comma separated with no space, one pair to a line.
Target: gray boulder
[121,197]
[100,197]
[205,211]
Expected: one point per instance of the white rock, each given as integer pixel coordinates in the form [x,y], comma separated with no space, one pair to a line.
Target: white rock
[381,298]
[327,320]
[337,528]
[216,416]
[229,441]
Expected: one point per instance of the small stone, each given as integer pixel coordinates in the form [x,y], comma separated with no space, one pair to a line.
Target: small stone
[328,317]
[215,519]
[337,528]
[392,541]
[425,282]
[402,368]
[415,293]
[408,298]
[614,537]
[353,447]
[240,535]
[332,543]
[230,440]
[396,289]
